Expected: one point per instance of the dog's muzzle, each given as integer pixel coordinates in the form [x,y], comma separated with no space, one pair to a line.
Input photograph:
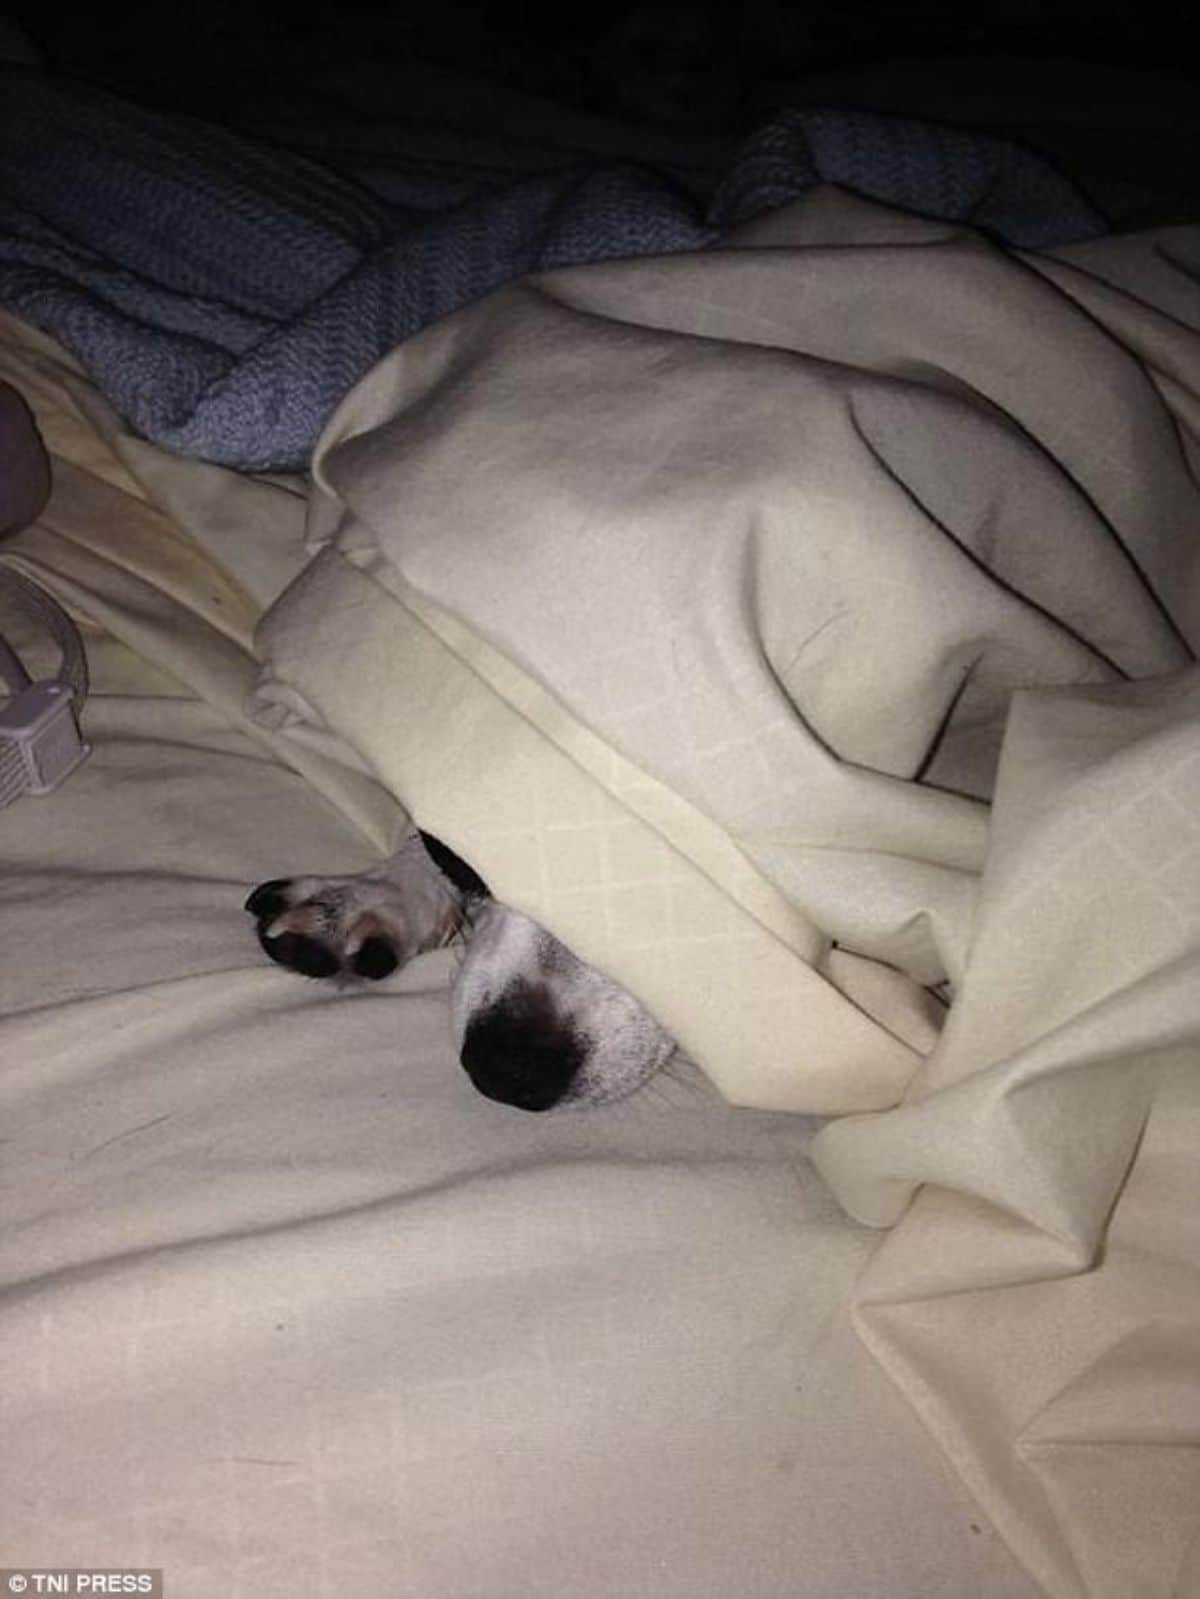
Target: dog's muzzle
[519,1050]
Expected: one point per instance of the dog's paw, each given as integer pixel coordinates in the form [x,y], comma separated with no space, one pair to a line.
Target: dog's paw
[333,927]
[363,926]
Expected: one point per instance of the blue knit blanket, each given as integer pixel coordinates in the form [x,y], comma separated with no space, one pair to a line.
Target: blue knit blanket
[224,294]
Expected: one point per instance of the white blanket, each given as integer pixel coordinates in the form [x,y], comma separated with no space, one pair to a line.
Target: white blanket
[800,628]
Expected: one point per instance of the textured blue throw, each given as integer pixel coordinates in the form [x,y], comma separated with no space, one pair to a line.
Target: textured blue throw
[224,294]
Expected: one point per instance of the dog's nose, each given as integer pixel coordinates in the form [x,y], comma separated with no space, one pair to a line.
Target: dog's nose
[520,1051]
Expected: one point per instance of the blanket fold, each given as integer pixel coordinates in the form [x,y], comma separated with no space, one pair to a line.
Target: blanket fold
[776,530]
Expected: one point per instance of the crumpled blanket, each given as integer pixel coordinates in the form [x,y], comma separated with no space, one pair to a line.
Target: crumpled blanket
[225,294]
[805,631]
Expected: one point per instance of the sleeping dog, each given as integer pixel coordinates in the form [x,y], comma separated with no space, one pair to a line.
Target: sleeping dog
[534,1026]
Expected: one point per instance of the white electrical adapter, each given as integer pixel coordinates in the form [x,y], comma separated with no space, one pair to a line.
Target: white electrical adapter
[40,742]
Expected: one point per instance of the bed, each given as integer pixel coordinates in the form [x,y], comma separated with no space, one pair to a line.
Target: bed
[890,1285]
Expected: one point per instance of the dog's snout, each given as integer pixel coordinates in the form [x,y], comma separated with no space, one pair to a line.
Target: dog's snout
[520,1051]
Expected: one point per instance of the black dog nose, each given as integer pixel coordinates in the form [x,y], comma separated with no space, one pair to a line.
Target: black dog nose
[520,1051]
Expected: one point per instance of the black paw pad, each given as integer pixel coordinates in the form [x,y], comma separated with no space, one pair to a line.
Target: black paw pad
[375,958]
[300,953]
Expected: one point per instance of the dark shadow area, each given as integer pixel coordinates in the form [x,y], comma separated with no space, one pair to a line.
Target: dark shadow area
[1110,98]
